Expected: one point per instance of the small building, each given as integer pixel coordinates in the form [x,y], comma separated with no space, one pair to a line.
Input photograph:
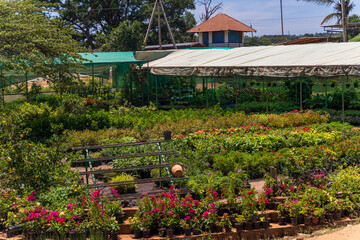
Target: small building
[221,31]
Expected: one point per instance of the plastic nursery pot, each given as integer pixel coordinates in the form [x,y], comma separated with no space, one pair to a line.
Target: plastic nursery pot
[169,233]
[120,218]
[196,232]
[329,217]
[337,215]
[256,224]
[282,221]
[322,219]
[113,236]
[307,220]
[227,229]
[356,84]
[138,233]
[315,220]
[167,135]
[294,221]
[146,233]
[300,220]
[187,232]
[249,225]
[162,232]
[239,226]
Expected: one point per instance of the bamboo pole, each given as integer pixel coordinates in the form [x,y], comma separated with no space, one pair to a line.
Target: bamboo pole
[159,27]
[150,23]
[167,24]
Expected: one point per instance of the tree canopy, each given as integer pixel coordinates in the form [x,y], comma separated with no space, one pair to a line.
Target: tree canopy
[33,42]
[92,18]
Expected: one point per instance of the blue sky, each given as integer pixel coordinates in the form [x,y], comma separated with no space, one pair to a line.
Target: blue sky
[299,16]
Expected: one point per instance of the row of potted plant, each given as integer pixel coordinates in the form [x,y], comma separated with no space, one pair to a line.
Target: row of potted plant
[95,217]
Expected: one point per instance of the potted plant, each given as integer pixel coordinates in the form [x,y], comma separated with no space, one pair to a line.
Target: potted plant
[356,83]
[239,223]
[281,214]
[136,226]
[195,225]
[113,208]
[318,216]
[225,223]
[185,224]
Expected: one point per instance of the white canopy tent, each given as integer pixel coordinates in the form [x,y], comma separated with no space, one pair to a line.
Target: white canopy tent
[323,60]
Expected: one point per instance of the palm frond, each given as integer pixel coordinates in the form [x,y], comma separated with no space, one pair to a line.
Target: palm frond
[321,2]
[331,16]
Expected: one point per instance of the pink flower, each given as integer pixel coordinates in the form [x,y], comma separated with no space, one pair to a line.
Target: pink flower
[70,206]
[74,217]
[54,214]
[295,111]
[31,197]
[187,218]
[206,215]
[97,193]
[192,210]
[61,220]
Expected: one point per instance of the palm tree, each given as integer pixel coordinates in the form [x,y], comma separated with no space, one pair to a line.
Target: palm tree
[337,6]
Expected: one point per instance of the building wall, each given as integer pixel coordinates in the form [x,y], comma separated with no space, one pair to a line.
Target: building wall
[226,38]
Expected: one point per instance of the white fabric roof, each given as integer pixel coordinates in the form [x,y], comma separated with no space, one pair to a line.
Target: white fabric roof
[325,59]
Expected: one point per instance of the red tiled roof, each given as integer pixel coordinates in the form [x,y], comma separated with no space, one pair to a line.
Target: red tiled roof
[221,22]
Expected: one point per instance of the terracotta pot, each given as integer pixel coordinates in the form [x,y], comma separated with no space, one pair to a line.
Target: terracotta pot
[146,233]
[176,170]
[162,232]
[307,220]
[314,220]
[138,233]
[294,221]
[169,233]
[187,231]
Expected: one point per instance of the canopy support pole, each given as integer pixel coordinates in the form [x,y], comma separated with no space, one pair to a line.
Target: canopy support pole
[301,95]
[263,88]
[2,87]
[207,95]
[326,94]
[236,91]
[93,77]
[27,89]
[179,81]
[342,99]
[115,76]
[156,91]
[267,99]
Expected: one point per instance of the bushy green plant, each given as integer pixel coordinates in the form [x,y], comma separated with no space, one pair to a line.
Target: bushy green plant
[123,177]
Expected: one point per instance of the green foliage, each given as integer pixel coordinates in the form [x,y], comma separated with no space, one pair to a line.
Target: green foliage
[128,36]
[33,42]
[123,177]
[27,167]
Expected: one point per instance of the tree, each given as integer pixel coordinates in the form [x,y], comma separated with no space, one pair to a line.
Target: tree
[32,42]
[93,17]
[337,6]
[126,37]
[209,9]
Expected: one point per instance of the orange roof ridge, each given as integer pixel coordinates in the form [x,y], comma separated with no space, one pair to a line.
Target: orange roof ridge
[221,22]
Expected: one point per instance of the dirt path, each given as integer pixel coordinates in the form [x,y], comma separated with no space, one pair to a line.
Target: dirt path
[351,232]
